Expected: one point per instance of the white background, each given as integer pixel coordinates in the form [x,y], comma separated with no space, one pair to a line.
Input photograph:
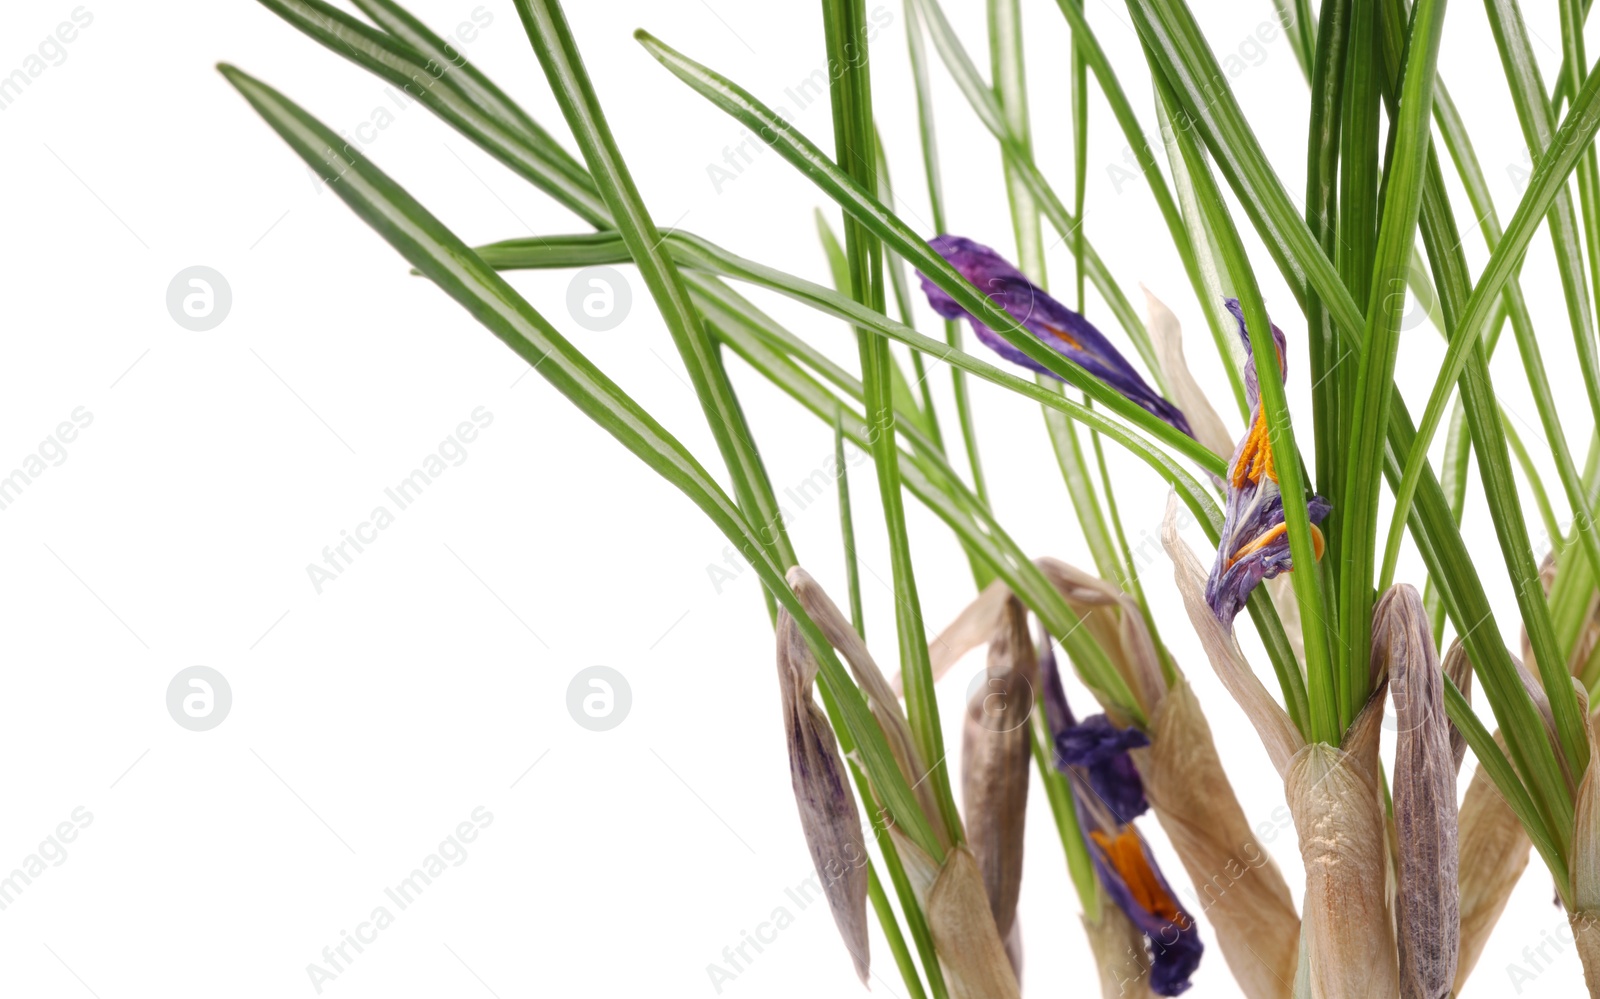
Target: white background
[372,718]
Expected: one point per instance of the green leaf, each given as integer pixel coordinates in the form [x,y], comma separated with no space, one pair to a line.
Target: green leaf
[1005,47]
[441,256]
[1274,407]
[507,139]
[930,162]
[1182,56]
[1191,251]
[839,267]
[470,82]
[692,251]
[1411,141]
[821,170]
[1322,186]
[845,29]
[1499,768]
[1443,243]
[847,532]
[928,477]
[992,115]
[563,66]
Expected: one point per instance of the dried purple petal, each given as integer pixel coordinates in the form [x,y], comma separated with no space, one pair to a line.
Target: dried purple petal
[1126,869]
[1100,748]
[1063,330]
[1109,793]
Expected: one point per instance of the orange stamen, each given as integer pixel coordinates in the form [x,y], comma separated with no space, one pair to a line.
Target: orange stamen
[1256,456]
[1317,544]
[1126,856]
[1063,336]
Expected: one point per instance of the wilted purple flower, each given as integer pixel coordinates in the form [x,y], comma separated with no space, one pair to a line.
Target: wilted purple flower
[1108,793]
[1130,876]
[1255,538]
[1058,327]
[1101,750]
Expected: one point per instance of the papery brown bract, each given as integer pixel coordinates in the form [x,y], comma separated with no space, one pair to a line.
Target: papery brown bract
[995,763]
[971,953]
[881,699]
[1334,798]
[1253,915]
[1166,334]
[1278,734]
[1113,619]
[1427,917]
[1458,667]
[1585,862]
[828,814]
[1238,886]
[1119,953]
[1494,851]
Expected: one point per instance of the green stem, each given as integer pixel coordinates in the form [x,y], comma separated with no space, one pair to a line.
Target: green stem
[844,26]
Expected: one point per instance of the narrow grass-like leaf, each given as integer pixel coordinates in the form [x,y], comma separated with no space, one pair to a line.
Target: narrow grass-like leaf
[558,53]
[691,251]
[1505,779]
[1180,147]
[1548,181]
[1564,88]
[1192,253]
[850,86]
[899,283]
[1538,130]
[930,163]
[839,267]
[434,86]
[1320,688]
[847,533]
[800,152]
[1374,384]
[928,477]
[814,164]
[1010,88]
[1322,186]
[1181,55]
[992,115]
[470,81]
[1443,243]
[1530,474]
[441,256]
